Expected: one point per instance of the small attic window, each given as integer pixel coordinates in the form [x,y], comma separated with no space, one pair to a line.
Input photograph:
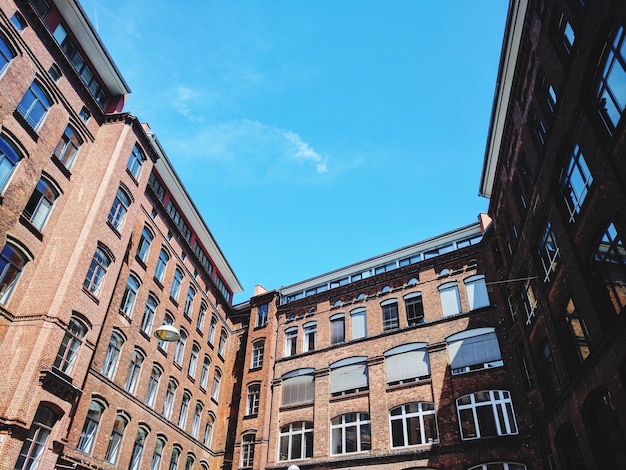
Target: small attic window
[385,289]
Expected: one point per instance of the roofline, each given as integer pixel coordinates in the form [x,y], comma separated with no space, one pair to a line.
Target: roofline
[423,245]
[174,184]
[92,45]
[502,95]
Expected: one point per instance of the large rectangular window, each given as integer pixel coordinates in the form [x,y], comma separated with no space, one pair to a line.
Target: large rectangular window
[474,349]
[348,376]
[407,363]
[611,92]
[576,180]
[450,301]
[298,387]
[486,414]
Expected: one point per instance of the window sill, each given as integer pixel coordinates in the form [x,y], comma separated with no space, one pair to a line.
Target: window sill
[62,168]
[252,416]
[91,296]
[254,369]
[349,396]
[141,262]
[174,301]
[199,331]
[158,283]
[132,177]
[296,406]
[31,228]
[115,230]
[32,132]
[144,334]
[124,315]
[259,327]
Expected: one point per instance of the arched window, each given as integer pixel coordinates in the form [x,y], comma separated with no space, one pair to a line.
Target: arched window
[450,300]
[130,296]
[67,148]
[40,203]
[115,441]
[407,363]
[413,424]
[247,450]
[197,416]
[148,314]
[168,403]
[201,316]
[296,441]
[298,386]
[258,348]
[351,432]
[90,428]
[204,375]
[135,162]
[140,441]
[414,308]
[358,321]
[188,309]
[193,360]
[349,376]
[113,354]
[180,347]
[6,54]
[37,438]
[222,346]
[476,292]
[337,328]
[157,455]
[604,430]
[34,105]
[144,244]
[473,350]
[208,430]
[391,321]
[176,282]
[66,357]
[486,414]
[310,336]
[254,397]
[153,385]
[168,320]
[217,378]
[12,262]
[9,158]
[212,328]
[133,371]
[174,459]
[184,409]
[96,272]
[159,270]
[119,208]
[291,341]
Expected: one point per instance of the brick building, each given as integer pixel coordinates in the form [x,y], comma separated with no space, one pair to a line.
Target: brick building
[555,173]
[496,346]
[100,245]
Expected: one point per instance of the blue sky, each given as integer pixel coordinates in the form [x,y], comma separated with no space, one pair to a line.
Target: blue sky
[314,134]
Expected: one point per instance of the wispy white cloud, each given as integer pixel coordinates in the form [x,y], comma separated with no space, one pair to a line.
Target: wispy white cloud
[184,101]
[248,152]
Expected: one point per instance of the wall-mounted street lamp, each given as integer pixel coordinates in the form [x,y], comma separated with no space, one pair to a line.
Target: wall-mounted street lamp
[167,333]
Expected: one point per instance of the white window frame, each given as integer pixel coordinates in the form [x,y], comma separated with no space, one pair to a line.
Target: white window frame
[423,409]
[362,428]
[501,408]
[475,349]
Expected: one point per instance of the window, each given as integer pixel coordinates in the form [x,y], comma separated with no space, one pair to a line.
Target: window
[548,252]
[159,270]
[222,346]
[212,328]
[6,54]
[174,458]
[291,341]
[193,361]
[12,262]
[36,439]
[247,450]
[55,73]
[348,376]
[133,371]
[567,36]
[66,357]
[296,441]
[350,432]
[474,350]
[548,378]
[486,414]
[9,158]
[119,209]
[40,203]
[407,363]
[310,336]
[189,462]
[215,391]
[204,374]
[201,316]
[414,308]
[135,162]
[184,408]
[358,321]
[157,455]
[529,301]
[19,22]
[254,396]
[450,301]
[575,182]
[261,316]
[208,430]
[84,114]
[153,386]
[577,330]
[112,356]
[391,320]
[413,424]
[168,403]
[96,272]
[90,428]
[168,320]
[191,293]
[34,105]
[337,329]
[144,244]
[257,354]
[500,466]
[298,387]
[609,262]
[140,440]
[115,441]
[611,94]
[476,289]
[130,296]
[148,315]
[195,424]
[179,352]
